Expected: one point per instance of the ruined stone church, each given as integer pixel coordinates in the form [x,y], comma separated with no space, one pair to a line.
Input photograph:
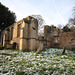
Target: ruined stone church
[23,35]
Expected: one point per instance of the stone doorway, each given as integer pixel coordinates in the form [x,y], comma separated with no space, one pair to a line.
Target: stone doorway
[14,45]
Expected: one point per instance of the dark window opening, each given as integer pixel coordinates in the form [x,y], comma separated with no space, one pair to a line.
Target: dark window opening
[11,33]
[18,33]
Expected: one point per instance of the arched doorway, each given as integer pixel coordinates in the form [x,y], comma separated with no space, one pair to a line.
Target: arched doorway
[14,45]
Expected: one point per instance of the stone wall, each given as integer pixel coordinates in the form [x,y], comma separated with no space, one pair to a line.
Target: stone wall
[47,36]
[23,35]
[67,39]
[58,39]
[29,34]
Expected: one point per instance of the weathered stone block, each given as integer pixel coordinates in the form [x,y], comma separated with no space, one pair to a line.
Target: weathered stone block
[23,44]
[32,44]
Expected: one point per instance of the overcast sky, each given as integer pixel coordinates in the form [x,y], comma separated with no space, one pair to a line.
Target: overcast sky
[53,11]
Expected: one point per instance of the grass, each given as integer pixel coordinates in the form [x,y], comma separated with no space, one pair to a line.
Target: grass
[46,62]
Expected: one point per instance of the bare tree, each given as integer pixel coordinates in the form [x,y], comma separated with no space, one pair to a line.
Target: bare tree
[59,26]
[74,12]
[72,20]
[40,23]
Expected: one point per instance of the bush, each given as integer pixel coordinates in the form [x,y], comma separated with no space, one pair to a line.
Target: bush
[66,29]
[73,49]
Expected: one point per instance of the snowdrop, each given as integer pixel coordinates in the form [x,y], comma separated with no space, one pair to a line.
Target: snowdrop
[49,61]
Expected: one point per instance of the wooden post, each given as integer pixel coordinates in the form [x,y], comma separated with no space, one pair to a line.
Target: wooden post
[63,52]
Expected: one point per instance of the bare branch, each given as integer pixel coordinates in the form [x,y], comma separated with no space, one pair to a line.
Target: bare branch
[40,22]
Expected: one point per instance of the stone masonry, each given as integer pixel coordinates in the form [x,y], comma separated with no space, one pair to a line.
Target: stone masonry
[23,35]
[58,39]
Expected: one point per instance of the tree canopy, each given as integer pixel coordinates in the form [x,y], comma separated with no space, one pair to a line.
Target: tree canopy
[7,17]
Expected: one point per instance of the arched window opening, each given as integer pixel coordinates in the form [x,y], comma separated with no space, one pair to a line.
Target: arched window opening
[11,33]
[18,33]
